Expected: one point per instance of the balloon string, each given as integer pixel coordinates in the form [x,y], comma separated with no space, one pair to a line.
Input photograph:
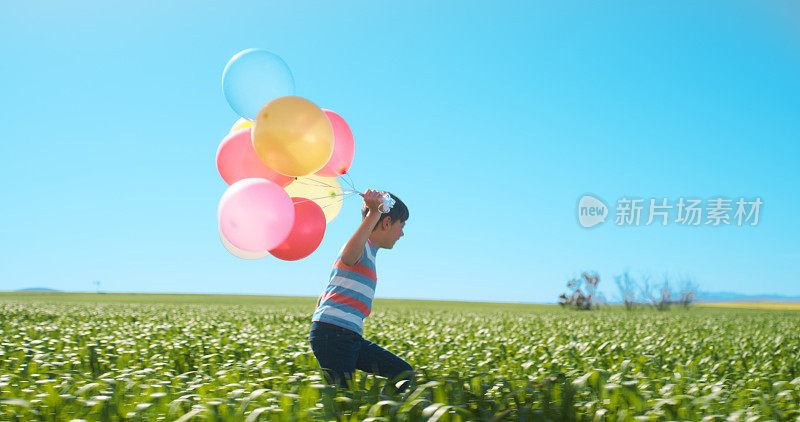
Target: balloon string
[330,186]
[349,182]
[321,184]
[333,203]
[318,183]
[324,197]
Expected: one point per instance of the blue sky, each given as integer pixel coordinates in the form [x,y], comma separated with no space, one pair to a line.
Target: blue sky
[490,121]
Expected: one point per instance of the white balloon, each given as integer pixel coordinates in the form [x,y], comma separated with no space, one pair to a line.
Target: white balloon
[238,252]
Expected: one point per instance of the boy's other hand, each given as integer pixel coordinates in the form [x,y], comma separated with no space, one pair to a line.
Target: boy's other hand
[373,199]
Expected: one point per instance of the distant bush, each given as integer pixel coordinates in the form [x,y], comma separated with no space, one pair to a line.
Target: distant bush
[660,296]
[579,299]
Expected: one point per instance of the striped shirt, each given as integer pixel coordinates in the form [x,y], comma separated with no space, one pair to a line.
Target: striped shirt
[348,298]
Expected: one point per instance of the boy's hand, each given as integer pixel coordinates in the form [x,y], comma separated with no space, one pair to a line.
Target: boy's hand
[373,199]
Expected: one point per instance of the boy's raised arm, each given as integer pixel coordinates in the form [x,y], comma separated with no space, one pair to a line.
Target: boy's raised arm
[355,246]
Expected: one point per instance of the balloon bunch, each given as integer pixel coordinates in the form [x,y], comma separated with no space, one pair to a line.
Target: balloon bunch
[280,160]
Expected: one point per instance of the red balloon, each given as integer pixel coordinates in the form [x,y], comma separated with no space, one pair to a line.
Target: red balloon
[306,234]
[237,160]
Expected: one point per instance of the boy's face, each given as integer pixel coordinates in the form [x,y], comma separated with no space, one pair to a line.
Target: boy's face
[391,231]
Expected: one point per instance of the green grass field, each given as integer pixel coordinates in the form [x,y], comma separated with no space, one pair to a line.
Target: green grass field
[149,357]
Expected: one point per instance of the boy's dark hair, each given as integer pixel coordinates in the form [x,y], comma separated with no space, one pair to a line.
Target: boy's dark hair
[399,211]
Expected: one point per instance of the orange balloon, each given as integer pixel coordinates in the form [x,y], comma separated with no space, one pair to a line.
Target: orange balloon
[293,136]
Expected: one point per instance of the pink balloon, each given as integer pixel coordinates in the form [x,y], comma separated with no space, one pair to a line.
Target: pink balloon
[307,232]
[255,214]
[237,160]
[343,147]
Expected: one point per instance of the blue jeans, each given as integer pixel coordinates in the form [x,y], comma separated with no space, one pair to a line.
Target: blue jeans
[340,352]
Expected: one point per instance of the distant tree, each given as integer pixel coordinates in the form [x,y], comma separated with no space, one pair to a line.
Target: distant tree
[661,299]
[578,298]
[685,296]
[688,292]
[660,296]
[666,296]
[627,289]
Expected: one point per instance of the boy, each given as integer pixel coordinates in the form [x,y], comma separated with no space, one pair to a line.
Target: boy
[336,325]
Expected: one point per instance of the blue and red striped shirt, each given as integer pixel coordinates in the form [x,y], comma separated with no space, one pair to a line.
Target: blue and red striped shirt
[348,298]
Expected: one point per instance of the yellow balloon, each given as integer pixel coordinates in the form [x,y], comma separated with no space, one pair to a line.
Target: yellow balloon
[293,136]
[241,124]
[325,191]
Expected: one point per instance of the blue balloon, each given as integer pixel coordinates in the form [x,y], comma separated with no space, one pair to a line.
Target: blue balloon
[254,77]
